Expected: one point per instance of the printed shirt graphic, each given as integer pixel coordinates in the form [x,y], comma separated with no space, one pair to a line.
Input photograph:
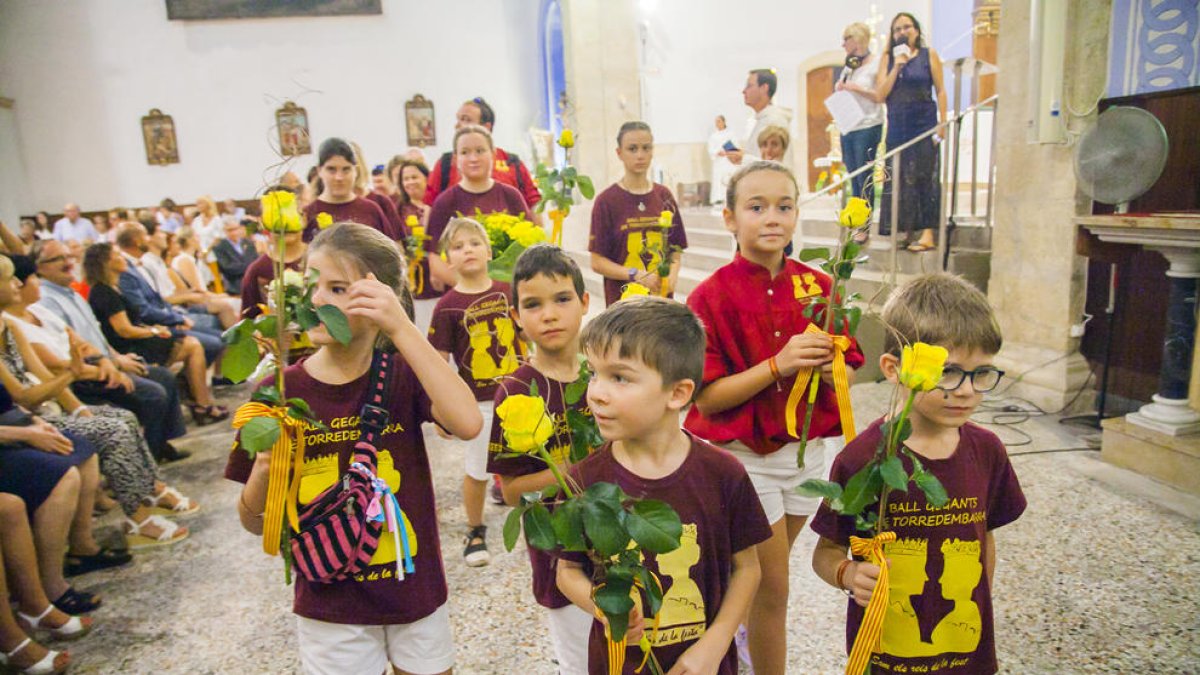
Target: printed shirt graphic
[375,597]
[721,516]
[545,589]
[625,230]
[478,330]
[357,210]
[748,317]
[939,617]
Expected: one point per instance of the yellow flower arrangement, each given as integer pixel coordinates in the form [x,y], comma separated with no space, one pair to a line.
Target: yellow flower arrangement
[921,366]
[279,212]
[525,422]
[856,214]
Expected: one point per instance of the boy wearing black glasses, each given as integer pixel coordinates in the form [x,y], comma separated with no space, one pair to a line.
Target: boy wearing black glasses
[940,612]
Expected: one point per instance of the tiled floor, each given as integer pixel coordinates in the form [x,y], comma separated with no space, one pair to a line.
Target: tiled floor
[1093,578]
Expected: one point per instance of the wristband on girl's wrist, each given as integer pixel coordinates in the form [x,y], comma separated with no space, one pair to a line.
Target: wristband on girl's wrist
[841,573]
[632,274]
[774,369]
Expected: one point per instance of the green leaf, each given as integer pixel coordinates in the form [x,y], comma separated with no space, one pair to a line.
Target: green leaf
[654,594]
[851,250]
[500,268]
[300,406]
[613,599]
[569,173]
[533,388]
[893,473]
[575,391]
[862,489]
[266,325]
[240,359]
[268,394]
[259,434]
[815,487]
[807,312]
[585,436]
[567,521]
[586,188]
[855,315]
[602,525]
[335,322]
[654,526]
[512,527]
[538,530]
[935,493]
[550,491]
[814,254]
[237,332]
[306,316]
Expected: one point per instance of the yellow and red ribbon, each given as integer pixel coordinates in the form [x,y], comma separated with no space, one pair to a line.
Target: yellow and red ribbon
[416,277]
[841,387]
[867,641]
[287,462]
[616,650]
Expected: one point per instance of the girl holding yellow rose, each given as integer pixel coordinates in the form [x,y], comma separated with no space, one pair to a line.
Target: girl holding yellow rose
[627,241]
[338,170]
[363,623]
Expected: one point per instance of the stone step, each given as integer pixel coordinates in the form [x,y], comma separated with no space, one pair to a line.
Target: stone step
[707,237]
[706,260]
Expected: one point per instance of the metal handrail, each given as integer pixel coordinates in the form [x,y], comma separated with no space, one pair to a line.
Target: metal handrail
[890,153]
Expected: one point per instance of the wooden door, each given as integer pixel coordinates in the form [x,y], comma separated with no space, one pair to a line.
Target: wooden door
[820,86]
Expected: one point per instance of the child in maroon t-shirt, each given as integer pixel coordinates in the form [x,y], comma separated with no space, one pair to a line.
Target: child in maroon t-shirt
[337,201]
[627,242]
[550,304]
[473,323]
[359,625]
[939,614]
[647,356]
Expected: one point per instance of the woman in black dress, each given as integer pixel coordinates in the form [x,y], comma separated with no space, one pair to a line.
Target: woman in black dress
[103,265]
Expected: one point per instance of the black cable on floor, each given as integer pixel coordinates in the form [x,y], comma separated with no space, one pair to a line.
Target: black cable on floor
[1053,450]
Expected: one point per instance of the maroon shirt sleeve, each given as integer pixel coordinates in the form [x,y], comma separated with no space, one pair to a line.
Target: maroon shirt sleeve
[434,181]
[396,230]
[440,213]
[530,194]
[600,239]
[1007,500]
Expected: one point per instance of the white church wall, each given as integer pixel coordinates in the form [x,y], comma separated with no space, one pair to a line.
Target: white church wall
[84,73]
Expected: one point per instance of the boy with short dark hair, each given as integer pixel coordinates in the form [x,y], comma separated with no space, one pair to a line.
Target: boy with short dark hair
[941,564]
[549,303]
[647,356]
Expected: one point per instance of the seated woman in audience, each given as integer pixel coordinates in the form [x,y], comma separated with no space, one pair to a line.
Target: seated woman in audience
[35,612]
[43,227]
[172,287]
[338,170]
[188,261]
[103,265]
[207,223]
[125,457]
[56,476]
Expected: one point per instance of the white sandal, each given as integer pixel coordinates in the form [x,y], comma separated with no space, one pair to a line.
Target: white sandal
[43,667]
[183,505]
[75,627]
[168,536]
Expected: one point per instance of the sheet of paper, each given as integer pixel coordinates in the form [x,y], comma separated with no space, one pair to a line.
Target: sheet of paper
[846,111]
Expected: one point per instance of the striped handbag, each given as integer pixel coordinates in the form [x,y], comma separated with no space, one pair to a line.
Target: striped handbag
[340,528]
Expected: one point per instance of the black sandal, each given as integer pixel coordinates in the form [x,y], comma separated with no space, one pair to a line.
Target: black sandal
[75,602]
[475,554]
[106,558]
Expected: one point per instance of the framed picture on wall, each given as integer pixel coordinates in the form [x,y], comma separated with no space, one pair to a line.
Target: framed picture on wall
[292,122]
[158,132]
[418,117]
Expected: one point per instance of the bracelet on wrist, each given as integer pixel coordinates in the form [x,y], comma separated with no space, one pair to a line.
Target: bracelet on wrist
[840,576]
[632,273]
[774,369]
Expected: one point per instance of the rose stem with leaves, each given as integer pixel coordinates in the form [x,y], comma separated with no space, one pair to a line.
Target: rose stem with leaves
[812,387]
[890,450]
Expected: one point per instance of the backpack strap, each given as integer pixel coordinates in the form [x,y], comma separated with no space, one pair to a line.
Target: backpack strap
[444,178]
[374,417]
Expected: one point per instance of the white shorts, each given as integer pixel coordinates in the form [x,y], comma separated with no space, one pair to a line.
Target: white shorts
[570,628]
[475,451]
[776,477]
[424,647]
[423,309]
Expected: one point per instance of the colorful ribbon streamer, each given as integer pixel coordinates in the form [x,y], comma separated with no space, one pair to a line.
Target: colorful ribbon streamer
[841,387]
[287,462]
[556,217]
[386,508]
[871,628]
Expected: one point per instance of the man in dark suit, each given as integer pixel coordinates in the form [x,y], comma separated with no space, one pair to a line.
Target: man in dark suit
[234,254]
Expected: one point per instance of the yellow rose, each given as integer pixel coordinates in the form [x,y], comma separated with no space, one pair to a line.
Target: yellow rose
[921,366]
[856,214]
[567,139]
[279,213]
[633,290]
[418,231]
[525,422]
[324,220]
[412,222]
[664,219]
